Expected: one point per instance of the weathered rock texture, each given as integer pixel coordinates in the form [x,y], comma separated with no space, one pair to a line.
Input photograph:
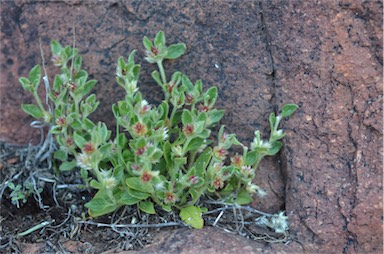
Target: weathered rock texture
[210,240]
[325,56]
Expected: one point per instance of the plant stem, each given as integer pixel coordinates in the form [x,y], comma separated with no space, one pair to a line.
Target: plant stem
[38,101]
[162,72]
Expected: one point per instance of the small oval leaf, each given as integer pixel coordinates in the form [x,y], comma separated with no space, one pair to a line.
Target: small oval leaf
[288,109]
[175,50]
[191,215]
[147,207]
[32,110]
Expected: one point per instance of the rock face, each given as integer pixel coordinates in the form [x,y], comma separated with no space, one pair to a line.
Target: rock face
[328,59]
[325,56]
[210,240]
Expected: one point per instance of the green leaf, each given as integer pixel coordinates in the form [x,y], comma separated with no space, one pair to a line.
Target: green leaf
[167,208]
[137,194]
[77,63]
[215,116]
[191,215]
[275,148]
[99,206]
[35,76]
[32,110]
[163,110]
[122,140]
[194,144]
[175,50]
[105,150]
[77,125]
[60,155]
[11,185]
[147,43]
[180,161]
[79,140]
[185,81]
[67,165]
[288,109]
[272,120]
[26,84]
[55,47]
[186,117]
[88,86]
[156,77]
[159,39]
[57,83]
[204,134]
[87,124]
[250,159]
[147,207]
[211,96]
[202,162]
[167,154]
[127,199]
[136,184]
[243,198]
[194,194]
[95,184]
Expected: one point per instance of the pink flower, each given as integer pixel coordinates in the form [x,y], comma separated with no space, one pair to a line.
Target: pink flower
[188,130]
[139,129]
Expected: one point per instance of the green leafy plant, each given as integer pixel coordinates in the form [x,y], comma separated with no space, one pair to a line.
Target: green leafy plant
[162,157]
[22,192]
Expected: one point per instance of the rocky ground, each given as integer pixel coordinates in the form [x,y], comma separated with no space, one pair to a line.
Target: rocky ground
[325,56]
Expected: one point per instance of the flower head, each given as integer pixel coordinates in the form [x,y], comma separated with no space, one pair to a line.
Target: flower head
[189,98]
[237,161]
[203,108]
[217,183]
[141,150]
[135,167]
[253,188]
[108,181]
[84,161]
[247,171]
[89,148]
[165,133]
[139,129]
[147,176]
[144,107]
[193,179]
[188,130]
[170,198]
[61,121]
[220,152]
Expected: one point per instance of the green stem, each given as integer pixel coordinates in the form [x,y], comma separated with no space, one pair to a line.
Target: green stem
[38,101]
[174,109]
[162,72]
[186,144]
[258,159]
[200,192]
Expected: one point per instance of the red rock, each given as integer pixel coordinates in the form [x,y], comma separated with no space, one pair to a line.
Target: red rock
[325,55]
[210,240]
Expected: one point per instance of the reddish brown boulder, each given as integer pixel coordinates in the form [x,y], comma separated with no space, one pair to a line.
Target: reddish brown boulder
[210,240]
[325,55]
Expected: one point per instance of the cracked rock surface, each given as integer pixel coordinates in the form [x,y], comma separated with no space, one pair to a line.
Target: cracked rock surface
[325,56]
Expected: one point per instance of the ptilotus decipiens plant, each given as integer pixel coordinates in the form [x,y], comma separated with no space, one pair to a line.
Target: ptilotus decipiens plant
[162,156]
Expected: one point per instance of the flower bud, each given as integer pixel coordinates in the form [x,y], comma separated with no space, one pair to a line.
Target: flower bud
[139,129]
